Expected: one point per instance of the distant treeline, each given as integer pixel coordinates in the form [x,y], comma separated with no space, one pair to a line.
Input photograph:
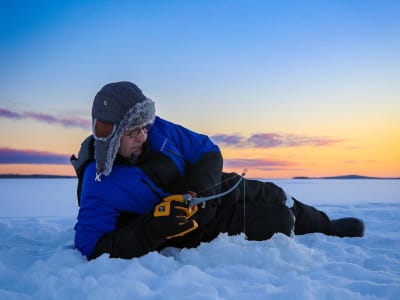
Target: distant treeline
[345,177]
[41,176]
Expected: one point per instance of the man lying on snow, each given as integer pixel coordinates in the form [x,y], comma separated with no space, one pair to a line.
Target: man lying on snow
[138,172]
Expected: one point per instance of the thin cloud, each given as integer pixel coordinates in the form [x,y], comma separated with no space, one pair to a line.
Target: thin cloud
[16,156]
[234,140]
[270,140]
[273,140]
[353,161]
[5,113]
[48,118]
[259,164]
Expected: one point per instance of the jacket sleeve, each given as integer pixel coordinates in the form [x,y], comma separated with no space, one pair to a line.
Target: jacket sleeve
[204,175]
[127,241]
[202,157]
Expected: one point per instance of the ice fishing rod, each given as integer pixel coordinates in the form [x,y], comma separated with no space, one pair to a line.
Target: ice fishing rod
[192,201]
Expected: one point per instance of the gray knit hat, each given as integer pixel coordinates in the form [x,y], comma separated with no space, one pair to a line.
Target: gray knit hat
[117,106]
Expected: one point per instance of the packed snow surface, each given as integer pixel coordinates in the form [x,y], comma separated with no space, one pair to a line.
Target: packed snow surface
[38,260]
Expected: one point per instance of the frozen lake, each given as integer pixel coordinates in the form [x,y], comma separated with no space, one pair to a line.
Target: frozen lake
[37,259]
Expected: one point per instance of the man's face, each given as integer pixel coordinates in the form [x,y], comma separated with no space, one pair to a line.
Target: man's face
[132,142]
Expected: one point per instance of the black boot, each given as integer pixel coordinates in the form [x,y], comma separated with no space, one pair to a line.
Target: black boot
[347,227]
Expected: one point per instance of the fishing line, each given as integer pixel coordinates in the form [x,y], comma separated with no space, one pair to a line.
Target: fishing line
[218,183]
[188,198]
[244,208]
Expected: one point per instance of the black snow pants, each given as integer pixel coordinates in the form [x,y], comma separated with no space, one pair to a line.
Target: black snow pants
[260,211]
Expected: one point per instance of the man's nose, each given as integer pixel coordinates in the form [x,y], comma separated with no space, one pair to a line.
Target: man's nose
[142,136]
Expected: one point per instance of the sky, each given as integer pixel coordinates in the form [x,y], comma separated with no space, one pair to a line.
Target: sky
[286,88]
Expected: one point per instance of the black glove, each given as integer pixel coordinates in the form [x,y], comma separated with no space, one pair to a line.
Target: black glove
[171,218]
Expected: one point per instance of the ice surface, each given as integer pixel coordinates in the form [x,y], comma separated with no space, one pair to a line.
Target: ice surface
[38,261]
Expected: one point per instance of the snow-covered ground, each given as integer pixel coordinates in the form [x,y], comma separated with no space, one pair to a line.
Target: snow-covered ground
[37,259]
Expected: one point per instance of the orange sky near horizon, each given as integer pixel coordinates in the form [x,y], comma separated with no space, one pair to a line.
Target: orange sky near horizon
[375,155]
[311,163]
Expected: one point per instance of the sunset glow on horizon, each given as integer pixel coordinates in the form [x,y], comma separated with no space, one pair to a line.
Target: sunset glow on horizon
[285,88]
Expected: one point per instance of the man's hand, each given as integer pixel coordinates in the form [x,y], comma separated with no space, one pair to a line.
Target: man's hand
[171,218]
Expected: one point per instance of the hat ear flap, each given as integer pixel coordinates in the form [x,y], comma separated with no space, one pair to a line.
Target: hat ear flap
[103,130]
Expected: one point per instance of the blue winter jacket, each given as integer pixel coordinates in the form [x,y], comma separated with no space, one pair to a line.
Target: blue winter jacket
[177,163]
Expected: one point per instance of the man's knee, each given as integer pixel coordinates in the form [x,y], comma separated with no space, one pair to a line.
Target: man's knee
[268,220]
[309,219]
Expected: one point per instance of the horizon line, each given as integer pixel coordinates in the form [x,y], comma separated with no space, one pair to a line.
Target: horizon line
[348,176]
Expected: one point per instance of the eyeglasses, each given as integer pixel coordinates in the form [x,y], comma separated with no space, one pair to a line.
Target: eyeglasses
[133,134]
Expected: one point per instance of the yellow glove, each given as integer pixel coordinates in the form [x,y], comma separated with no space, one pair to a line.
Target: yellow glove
[172,217]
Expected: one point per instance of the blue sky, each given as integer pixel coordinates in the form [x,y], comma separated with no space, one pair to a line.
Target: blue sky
[302,69]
